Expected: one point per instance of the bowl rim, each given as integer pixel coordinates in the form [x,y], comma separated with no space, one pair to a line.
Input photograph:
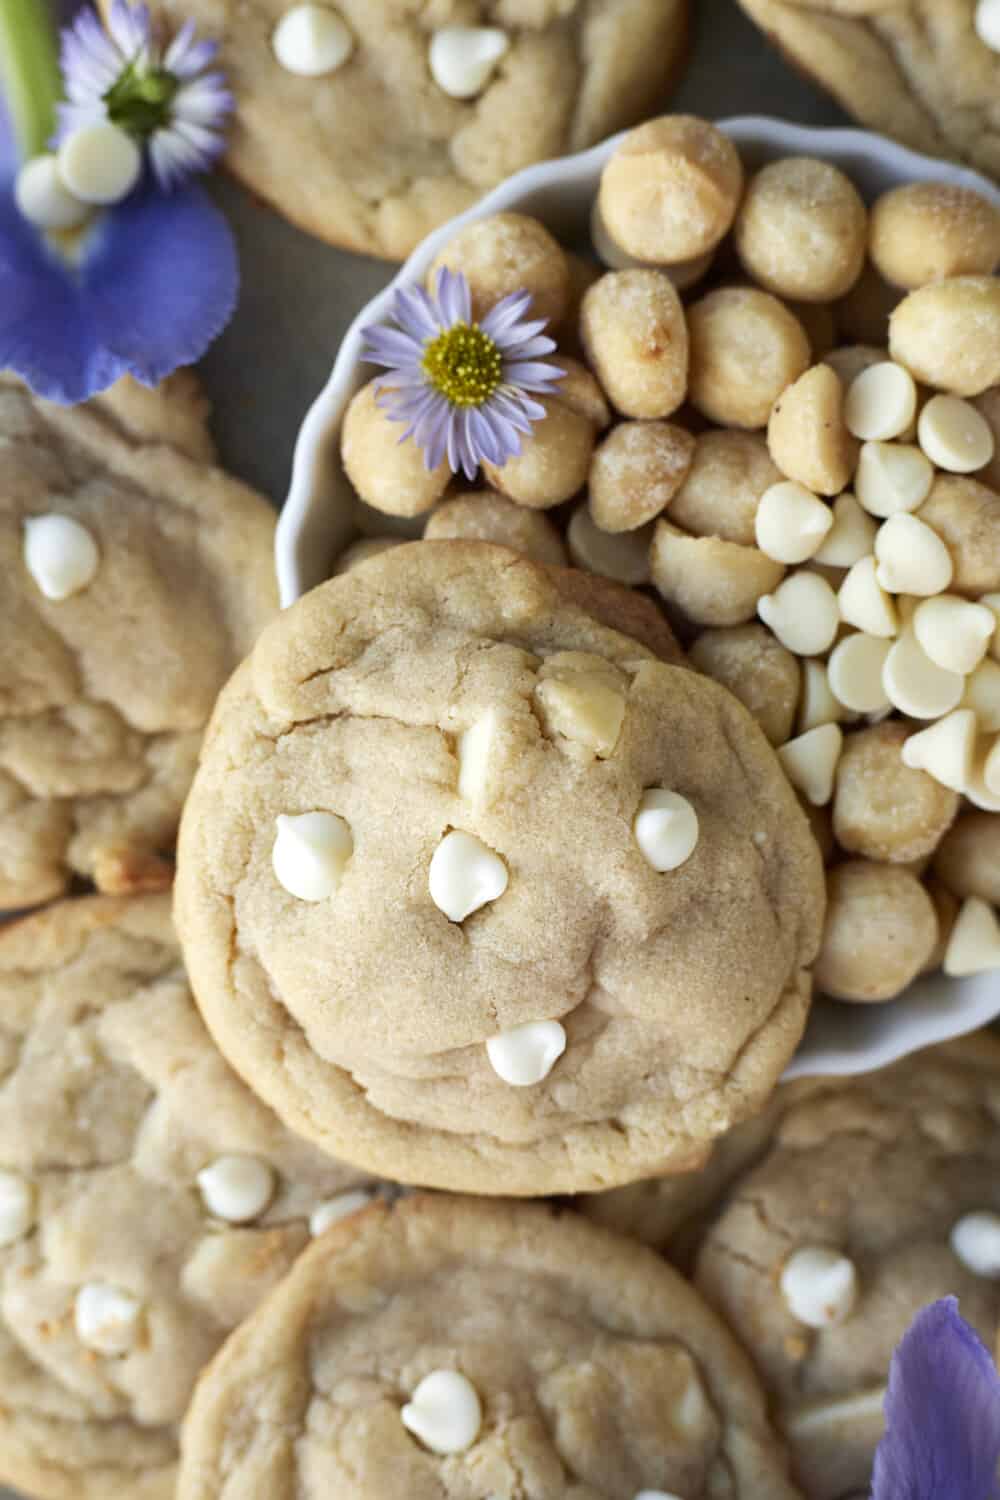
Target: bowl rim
[841,1038]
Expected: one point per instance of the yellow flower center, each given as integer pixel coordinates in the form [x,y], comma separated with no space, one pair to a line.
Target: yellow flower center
[464,364]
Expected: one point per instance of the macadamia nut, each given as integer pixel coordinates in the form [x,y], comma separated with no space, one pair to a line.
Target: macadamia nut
[801,229]
[881,929]
[757,670]
[387,474]
[554,460]
[633,328]
[361,550]
[883,809]
[967,861]
[622,556]
[729,474]
[485,516]
[636,471]
[966,516]
[746,348]
[711,581]
[947,334]
[807,434]
[507,253]
[930,231]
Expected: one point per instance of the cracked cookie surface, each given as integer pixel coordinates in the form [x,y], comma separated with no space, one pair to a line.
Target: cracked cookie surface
[112,1100]
[879,1171]
[598,1370]
[374,156]
[98,743]
[363,1018]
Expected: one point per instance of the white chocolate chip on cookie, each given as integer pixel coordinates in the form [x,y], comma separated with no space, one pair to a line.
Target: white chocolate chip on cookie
[463,59]
[946,750]
[465,875]
[582,698]
[17,1207]
[312,40]
[987,23]
[954,435]
[974,945]
[975,1239]
[820,1286]
[525,1055]
[474,750]
[236,1188]
[912,558]
[881,402]
[666,828]
[444,1412]
[310,854]
[791,522]
[892,477]
[810,762]
[803,614]
[60,554]
[106,1318]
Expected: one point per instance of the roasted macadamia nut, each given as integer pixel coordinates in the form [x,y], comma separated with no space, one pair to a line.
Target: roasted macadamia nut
[581,391]
[554,460]
[365,547]
[757,670]
[967,861]
[485,516]
[801,229]
[746,348]
[947,334]
[862,314]
[929,231]
[807,434]
[882,809]
[966,516]
[387,474]
[729,474]
[636,472]
[988,406]
[851,360]
[634,331]
[670,191]
[507,253]
[622,556]
[881,929]
[711,581]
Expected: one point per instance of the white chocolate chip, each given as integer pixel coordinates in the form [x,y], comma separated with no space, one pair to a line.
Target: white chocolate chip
[236,1188]
[820,1287]
[991,769]
[803,614]
[444,1412]
[312,40]
[526,1054]
[953,632]
[817,702]
[987,23]
[892,477]
[855,672]
[976,789]
[992,603]
[810,762]
[954,435]
[582,698]
[666,828]
[974,945]
[464,875]
[913,683]
[60,554]
[99,163]
[912,559]
[851,537]
[864,603]
[881,402]
[44,199]
[946,750]
[622,555]
[106,1318]
[463,59]
[332,1210]
[791,523]
[656,1495]
[475,750]
[17,1207]
[310,853]
[975,1239]
[982,695]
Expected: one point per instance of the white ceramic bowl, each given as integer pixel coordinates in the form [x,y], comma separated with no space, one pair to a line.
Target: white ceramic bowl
[316,520]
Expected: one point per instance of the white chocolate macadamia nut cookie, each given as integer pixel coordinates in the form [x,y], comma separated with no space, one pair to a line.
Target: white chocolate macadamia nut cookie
[875,1197]
[801,230]
[448,688]
[147,1200]
[461,1347]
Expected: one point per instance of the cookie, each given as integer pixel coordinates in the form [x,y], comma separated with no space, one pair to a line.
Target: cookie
[620,608]
[373,155]
[137,575]
[459,1348]
[147,1200]
[875,1197]
[916,70]
[479,894]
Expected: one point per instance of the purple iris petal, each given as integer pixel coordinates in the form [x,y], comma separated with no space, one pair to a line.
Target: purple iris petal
[942,1438]
[156,284]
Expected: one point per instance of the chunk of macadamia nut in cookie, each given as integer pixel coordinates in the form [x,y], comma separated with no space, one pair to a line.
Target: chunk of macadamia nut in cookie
[389,475]
[801,230]
[554,460]
[967,860]
[636,472]
[746,348]
[636,337]
[711,581]
[883,809]
[807,435]
[931,231]
[506,253]
[486,516]
[729,474]
[881,929]
[947,334]
[670,191]
[758,670]
[503,767]
[965,514]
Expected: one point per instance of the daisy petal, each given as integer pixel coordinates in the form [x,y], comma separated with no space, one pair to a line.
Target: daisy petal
[453,297]
[415,313]
[504,314]
[390,347]
[531,375]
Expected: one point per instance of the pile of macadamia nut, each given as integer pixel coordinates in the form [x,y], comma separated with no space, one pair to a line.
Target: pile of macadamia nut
[781,410]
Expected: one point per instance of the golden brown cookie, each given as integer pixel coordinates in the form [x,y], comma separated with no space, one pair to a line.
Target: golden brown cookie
[500,979]
[450,1347]
[375,154]
[136,576]
[147,1200]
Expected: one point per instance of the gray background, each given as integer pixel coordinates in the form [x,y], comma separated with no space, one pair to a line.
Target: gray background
[299,295]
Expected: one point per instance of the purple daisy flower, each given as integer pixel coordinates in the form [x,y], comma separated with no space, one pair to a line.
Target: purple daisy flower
[165,98]
[462,387]
[942,1439]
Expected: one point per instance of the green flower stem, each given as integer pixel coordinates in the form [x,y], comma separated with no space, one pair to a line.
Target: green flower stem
[29,71]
